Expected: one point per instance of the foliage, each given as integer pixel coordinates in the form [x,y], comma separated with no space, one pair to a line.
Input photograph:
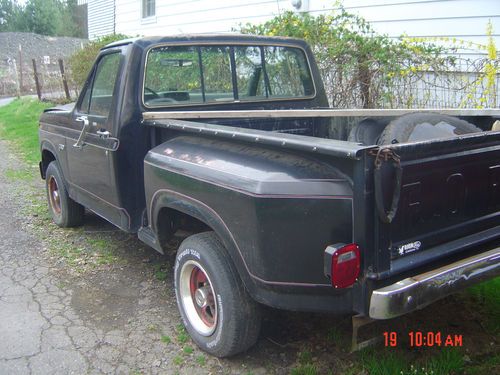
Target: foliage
[46,17]
[82,61]
[356,63]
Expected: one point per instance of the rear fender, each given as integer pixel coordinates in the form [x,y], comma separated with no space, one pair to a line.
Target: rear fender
[165,198]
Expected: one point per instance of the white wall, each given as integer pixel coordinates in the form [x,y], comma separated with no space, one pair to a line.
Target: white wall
[462,19]
[101,18]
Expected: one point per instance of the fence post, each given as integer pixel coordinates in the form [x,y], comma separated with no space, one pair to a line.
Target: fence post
[20,69]
[37,84]
[65,83]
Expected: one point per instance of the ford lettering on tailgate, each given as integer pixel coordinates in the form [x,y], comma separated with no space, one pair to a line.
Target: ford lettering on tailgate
[444,198]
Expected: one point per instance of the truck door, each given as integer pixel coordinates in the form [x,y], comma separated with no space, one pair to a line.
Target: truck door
[90,157]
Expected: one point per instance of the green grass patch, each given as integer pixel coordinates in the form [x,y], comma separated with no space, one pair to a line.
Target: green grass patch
[307,369]
[19,124]
[166,339]
[201,360]
[446,361]
[188,350]
[487,294]
[19,174]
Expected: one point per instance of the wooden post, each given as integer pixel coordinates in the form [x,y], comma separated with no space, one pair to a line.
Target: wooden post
[65,83]
[37,83]
[20,69]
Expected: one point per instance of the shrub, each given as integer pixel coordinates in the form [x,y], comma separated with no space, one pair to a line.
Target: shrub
[357,64]
[82,61]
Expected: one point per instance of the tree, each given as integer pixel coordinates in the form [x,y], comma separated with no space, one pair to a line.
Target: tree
[46,17]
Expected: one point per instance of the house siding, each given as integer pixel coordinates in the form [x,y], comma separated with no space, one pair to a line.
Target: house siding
[461,19]
[101,18]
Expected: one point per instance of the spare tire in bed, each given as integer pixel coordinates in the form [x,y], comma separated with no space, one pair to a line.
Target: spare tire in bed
[416,127]
[368,131]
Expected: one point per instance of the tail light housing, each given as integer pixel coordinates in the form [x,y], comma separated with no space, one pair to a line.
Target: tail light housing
[342,264]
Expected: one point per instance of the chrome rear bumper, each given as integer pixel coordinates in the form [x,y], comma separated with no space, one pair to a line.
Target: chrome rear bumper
[418,291]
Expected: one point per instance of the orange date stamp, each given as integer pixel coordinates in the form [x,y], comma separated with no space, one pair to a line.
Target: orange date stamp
[424,339]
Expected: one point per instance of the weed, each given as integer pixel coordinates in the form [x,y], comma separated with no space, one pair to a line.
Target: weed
[447,361]
[188,350]
[333,336]
[160,273]
[305,357]
[387,363]
[166,339]
[182,335]
[178,360]
[307,369]
[201,360]
[152,327]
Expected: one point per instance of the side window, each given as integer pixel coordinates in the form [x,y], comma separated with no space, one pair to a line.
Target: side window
[104,85]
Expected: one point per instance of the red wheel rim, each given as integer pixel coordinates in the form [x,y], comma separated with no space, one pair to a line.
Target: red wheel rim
[203,297]
[54,196]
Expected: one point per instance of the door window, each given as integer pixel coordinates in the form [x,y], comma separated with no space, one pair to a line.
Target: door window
[104,85]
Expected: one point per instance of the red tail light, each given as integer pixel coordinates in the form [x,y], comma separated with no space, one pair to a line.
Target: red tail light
[342,264]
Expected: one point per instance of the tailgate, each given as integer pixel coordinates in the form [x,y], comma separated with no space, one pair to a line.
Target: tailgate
[449,201]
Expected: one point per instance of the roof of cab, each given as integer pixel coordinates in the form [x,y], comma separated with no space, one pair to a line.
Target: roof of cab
[230,38]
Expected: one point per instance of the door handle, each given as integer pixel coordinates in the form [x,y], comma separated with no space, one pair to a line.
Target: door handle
[85,128]
[103,133]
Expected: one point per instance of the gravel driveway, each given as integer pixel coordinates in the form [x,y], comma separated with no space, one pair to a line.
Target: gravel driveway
[95,300]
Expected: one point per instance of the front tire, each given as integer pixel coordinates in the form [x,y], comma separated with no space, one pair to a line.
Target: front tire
[64,211]
[216,310]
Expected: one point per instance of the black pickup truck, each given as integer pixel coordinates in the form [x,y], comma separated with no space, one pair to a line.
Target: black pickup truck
[287,203]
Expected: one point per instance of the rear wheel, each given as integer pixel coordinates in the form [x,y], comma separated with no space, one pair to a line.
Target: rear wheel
[416,127]
[215,308]
[64,211]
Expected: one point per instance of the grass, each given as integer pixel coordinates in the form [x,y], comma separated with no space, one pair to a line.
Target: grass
[201,360]
[188,350]
[19,124]
[182,336]
[446,361]
[488,296]
[19,174]
[166,339]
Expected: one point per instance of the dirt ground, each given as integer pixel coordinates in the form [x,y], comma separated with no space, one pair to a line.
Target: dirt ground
[95,300]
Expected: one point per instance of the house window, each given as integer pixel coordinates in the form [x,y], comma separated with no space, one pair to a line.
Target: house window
[148,8]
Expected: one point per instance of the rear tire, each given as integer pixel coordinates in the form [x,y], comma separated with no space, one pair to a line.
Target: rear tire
[416,127]
[64,211]
[216,310]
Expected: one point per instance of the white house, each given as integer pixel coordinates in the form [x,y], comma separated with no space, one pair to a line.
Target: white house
[461,19]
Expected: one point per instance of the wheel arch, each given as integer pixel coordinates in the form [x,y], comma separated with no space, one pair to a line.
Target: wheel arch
[48,155]
[165,201]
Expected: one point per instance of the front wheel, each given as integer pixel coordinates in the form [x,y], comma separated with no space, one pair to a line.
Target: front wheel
[64,211]
[215,308]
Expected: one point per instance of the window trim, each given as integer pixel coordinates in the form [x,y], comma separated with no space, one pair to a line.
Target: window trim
[230,45]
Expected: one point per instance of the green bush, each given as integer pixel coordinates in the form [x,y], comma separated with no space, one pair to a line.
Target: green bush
[82,61]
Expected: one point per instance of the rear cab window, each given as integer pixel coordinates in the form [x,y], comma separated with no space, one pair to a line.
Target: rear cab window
[193,75]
